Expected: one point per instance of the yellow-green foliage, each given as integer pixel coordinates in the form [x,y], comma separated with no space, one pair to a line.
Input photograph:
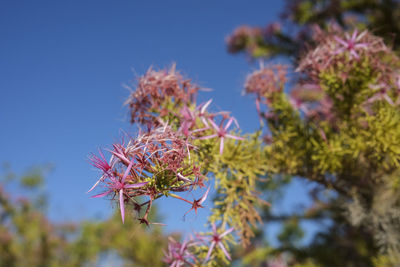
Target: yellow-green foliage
[236,173]
[356,150]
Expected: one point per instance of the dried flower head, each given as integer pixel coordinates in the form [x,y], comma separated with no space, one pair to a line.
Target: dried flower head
[266,80]
[154,89]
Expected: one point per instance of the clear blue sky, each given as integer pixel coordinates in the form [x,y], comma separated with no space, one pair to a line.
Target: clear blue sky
[62,66]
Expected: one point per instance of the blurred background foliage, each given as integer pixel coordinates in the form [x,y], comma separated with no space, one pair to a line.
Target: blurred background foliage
[29,238]
[292,35]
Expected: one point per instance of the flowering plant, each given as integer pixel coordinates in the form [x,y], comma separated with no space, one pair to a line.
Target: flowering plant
[337,128]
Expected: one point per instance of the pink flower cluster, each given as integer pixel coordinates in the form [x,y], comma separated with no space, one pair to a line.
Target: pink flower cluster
[194,123]
[154,164]
[158,163]
[336,47]
[180,254]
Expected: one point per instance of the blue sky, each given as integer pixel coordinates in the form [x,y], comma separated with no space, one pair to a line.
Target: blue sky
[62,66]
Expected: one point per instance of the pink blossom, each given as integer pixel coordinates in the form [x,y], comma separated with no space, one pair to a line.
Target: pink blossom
[216,240]
[178,254]
[189,118]
[119,186]
[351,44]
[197,203]
[381,94]
[221,132]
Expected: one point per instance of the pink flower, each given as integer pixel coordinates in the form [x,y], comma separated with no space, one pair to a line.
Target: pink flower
[178,253]
[119,186]
[221,132]
[381,94]
[197,202]
[351,44]
[216,240]
[298,105]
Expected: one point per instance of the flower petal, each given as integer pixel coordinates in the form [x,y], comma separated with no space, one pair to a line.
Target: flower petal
[127,170]
[234,137]
[214,125]
[210,250]
[228,123]
[135,185]
[102,194]
[98,181]
[205,106]
[121,204]
[204,197]
[221,146]
[207,137]
[224,250]
[226,232]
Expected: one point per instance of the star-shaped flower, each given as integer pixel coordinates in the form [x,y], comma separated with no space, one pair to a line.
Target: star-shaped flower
[222,133]
[197,203]
[178,254]
[216,240]
[119,186]
[351,44]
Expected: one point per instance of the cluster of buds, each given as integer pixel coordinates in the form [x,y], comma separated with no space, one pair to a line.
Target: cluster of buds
[153,165]
[153,89]
[179,254]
